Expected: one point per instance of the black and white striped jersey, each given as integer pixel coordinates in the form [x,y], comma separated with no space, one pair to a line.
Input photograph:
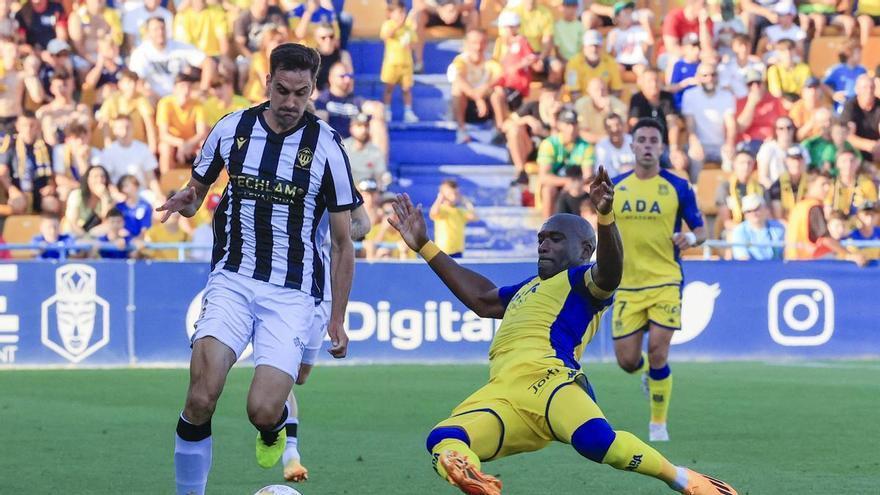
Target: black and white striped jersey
[280,186]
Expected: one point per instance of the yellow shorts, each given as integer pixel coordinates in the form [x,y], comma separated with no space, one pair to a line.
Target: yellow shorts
[397,74]
[633,309]
[520,400]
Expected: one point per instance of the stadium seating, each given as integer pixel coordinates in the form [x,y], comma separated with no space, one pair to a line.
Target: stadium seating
[21,229]
[707,184]
[174,179]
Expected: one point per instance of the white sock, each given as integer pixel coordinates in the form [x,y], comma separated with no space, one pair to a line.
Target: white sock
[681,479]
[290,448]
[192,459]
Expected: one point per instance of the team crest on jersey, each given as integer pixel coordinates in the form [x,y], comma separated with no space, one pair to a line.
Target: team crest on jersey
[663,190]
[304,158]
[239,141]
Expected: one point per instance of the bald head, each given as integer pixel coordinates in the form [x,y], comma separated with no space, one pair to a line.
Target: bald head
[565,241]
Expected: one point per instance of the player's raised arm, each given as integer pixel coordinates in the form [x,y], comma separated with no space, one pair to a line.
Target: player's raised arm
[477,292]
[608,270]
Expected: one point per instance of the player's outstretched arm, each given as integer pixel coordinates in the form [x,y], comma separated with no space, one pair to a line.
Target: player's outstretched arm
[608,270]
[187,201]
[341,274]
[360,223]
[477,292]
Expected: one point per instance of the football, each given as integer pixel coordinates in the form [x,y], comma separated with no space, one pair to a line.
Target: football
[277,490]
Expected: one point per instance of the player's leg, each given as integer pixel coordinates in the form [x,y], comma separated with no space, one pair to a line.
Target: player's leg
[268,412]
[222,333]
[458,445]
[209,365]
[628,322]
[575,419]
[659,380]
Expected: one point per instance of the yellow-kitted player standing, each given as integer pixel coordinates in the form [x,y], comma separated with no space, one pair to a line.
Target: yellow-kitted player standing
[650,205]
[537,391]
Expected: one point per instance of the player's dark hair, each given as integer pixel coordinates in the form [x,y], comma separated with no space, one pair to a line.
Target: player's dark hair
[293,56]
[649,123]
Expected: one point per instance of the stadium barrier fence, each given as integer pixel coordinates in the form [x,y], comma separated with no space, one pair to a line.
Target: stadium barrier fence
[140,313]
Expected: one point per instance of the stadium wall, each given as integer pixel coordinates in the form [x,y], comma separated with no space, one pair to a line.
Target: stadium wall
[137,313]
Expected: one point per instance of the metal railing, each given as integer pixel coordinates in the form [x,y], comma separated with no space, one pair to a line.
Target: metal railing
[67,250]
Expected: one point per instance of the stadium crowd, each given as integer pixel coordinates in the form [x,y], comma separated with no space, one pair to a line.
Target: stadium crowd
[104,105]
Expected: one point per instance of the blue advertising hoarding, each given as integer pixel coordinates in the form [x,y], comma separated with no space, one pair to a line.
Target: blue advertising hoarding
[129,313]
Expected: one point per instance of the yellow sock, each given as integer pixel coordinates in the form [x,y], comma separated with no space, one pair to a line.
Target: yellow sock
[628,453]
[456,445]
[660,392]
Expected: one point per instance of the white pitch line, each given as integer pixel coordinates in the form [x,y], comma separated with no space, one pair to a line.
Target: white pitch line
[839,366]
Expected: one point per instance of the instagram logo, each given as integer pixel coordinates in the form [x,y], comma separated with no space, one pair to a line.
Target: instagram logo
[801,312]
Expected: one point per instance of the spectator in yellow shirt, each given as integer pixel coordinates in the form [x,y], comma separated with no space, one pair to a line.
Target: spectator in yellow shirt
[397,63]
[222,101]
[852,187]
[203,26]
[129,101]
[182,124]
[473,78]
[785,78]
[591,63]
[537,26]
[451,213]
[168,231]
[255,87]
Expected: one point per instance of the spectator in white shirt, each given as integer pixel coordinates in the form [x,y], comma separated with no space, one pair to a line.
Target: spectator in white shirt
[732,71]
[135,14]
[785,28]
[159,60]
[366,159]
[629,42]
[614,151]
[127,156]
[771,154]
[710,113]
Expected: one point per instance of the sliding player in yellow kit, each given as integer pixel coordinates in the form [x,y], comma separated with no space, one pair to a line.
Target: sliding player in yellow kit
[537,392]
[650,206]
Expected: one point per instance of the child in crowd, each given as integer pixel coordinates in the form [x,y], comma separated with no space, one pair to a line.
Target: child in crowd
[397,63]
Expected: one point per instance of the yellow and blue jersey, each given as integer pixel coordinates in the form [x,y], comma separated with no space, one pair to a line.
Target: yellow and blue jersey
[648,212]
[547,319]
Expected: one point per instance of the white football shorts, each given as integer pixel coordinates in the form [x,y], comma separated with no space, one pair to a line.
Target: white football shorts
[237,310]
[319,332]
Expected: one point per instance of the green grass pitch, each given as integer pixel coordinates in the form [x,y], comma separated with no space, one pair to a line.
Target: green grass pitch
[808,428]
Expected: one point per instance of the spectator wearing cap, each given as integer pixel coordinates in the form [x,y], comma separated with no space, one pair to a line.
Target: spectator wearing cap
[756,229]
[809,112]
[159,60]
[593,107]
[88,23]
[868,16]
[693,17]
[735,66]
[756,113]
[18,78]
[568,32]
[338,105]
[786,78]
[73,157]
[536,24]
[462,14]
[473,79]
[806,235]
[529,125]
[182,124]
[785,29]
[366,159]
[862,112]
[27,162]
[592,62]
[614,151]
[741,183]
[852,186]
[513,52]
[131,102]
[125,155]
[61,110]
[840,80]
[823,149]
[791,186]
[682,74]
[40,21]
[630,42]
[823,12]
[203,234]
[134,19]
[771,155]
[867,231]
[709,114]
[328,47]
[653,102]
[565,148]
